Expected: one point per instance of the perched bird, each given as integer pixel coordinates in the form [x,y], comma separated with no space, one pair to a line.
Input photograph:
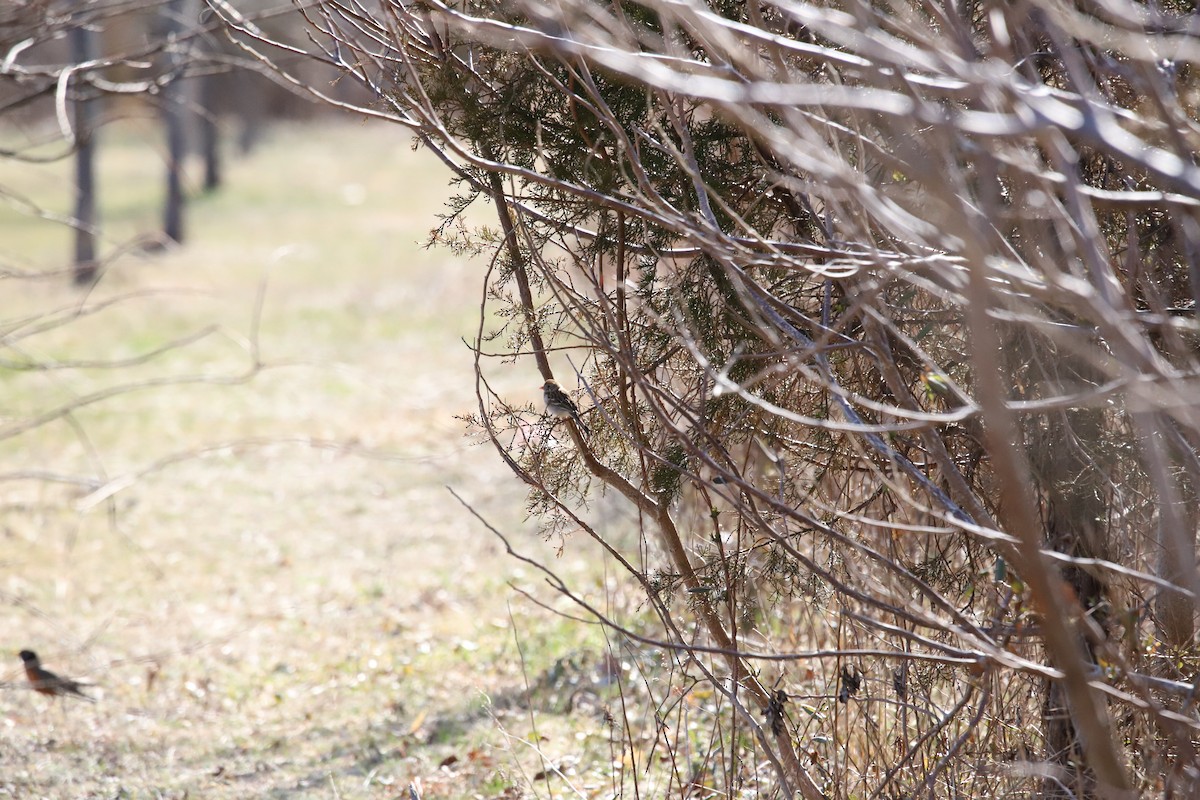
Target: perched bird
[559,404]
[937,385]
[46,682]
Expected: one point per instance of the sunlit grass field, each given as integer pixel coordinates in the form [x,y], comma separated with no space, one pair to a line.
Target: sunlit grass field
[233,517]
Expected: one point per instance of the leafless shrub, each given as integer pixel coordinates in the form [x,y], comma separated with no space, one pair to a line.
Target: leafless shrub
[882,320]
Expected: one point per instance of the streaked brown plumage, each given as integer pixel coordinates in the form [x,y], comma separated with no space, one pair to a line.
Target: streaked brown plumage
[560,404]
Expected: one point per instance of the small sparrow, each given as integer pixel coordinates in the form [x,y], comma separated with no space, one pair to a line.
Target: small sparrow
[45,682]
[559,404]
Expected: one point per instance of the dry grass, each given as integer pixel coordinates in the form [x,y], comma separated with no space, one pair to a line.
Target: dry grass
[268,619]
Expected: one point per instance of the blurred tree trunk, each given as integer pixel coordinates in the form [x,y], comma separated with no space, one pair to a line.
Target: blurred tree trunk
[83,48]
[249,98]
[210,134]
[173,120]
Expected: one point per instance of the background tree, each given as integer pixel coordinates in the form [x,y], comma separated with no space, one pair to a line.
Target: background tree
[68,68]
[882,320]
[39,80]
[83,51]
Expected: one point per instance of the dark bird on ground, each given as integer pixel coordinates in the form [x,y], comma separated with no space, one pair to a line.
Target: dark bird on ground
[46,682]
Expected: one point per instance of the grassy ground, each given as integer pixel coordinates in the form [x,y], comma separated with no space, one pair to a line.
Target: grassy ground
[292,605]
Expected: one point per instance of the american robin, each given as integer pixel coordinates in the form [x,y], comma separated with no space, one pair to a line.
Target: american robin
[46,682]
[559,403]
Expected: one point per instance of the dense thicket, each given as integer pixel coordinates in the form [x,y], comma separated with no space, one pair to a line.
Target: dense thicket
[881,316]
